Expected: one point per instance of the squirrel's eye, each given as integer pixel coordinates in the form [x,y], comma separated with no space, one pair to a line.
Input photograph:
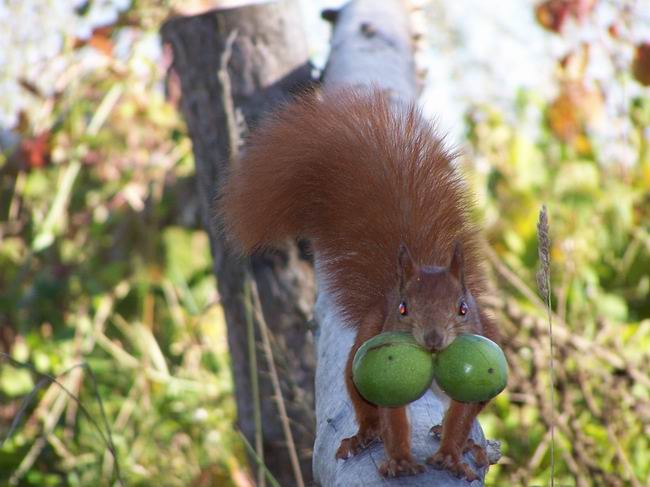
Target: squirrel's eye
[463,309]
[402,309]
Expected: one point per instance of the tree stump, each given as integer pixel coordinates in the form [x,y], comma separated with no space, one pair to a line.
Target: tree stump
[233,66]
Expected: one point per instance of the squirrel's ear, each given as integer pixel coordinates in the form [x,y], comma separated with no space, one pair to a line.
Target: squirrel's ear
[457,266]
[406,267]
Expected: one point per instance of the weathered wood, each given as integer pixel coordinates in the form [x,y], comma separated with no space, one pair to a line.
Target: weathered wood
[371,46]
[233,66]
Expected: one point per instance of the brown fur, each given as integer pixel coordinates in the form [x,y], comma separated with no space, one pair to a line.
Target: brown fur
[373,187]
[357,177]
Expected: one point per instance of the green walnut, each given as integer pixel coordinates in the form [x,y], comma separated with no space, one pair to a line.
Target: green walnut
[471,369]
[392,370]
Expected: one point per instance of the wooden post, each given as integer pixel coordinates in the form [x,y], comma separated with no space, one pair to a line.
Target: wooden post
[234,65]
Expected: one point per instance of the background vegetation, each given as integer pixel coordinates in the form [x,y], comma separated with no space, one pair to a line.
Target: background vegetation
[103,262]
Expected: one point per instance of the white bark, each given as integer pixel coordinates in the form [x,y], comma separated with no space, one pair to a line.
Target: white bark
[371,46]
[335,417]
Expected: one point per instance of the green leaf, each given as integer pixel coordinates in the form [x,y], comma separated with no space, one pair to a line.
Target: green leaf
[612,307]
[15,382]
[529,163]
[577,178]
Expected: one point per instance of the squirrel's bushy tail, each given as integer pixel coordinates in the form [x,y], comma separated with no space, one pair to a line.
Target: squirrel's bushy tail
[273,191]
[358,175]
[303,167]
[325,163]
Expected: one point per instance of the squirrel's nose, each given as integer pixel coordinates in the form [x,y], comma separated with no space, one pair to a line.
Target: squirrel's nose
[433,340]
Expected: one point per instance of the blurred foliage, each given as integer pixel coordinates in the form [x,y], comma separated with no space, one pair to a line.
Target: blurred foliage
[102,261]
[556,151]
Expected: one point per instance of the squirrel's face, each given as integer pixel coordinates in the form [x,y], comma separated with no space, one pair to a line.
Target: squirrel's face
[434,303]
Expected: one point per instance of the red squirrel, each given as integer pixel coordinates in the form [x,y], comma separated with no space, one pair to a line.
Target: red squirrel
[370,183]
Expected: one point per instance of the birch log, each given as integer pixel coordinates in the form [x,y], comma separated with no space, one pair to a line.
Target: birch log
[371,46]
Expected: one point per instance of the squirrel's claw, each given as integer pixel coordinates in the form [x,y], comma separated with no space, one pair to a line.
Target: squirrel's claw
[436,431]
[480,454]
[452,461]
[354,444]
[392,467]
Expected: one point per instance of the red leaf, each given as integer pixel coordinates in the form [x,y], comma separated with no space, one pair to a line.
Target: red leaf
[641,64]
[100,39]
[552,14]
[35,151]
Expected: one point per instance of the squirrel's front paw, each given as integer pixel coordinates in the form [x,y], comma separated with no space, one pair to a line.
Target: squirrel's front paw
[393,467]
[452,461]
[479,452]
[354,444]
